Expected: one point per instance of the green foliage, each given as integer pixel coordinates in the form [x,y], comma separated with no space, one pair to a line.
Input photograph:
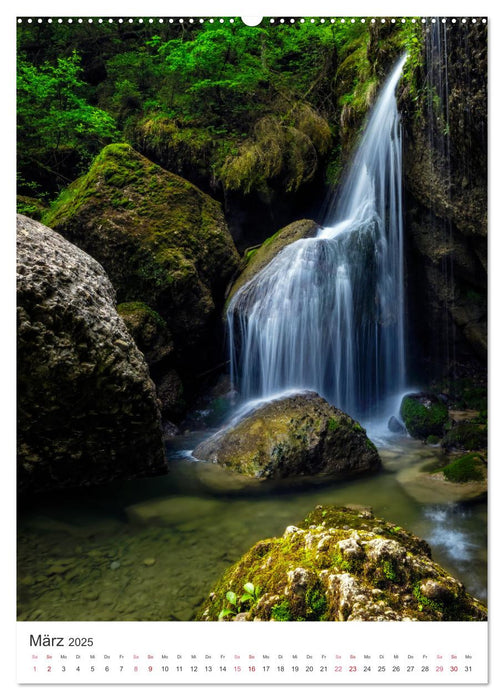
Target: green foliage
[248,108]
[55,118]
[235,604]
[412,39]
[277,149]
[30,206]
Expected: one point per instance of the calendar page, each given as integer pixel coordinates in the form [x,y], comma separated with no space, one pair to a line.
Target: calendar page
[251,348]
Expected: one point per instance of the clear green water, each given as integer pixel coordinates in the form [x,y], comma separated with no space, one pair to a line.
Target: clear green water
[150,549]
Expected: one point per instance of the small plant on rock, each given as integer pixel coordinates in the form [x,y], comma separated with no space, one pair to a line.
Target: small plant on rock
[234,605]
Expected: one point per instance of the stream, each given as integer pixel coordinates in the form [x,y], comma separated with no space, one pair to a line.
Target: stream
[151,548]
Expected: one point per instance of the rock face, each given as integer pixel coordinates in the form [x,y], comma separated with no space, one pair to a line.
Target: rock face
[87,409]
[395,426]
[424,415]
[445,167]
[259,257]
[296,435]
[340,565]
[162,242]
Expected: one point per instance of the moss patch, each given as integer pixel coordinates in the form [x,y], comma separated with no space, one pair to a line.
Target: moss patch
[470,467]
[424,415]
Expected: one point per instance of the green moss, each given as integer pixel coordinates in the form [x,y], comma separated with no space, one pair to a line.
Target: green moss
[424,416]
[316,603]
[332,424]
[140,309]
[350,566]
[467,468]
[284,148]
[465,393]
[281,612]
[424,602]
[389,571]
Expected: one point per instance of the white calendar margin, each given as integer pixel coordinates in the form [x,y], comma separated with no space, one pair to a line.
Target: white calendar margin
[122,652]
[11,628]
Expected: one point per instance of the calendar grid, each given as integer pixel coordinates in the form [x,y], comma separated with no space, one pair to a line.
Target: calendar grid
[325,653]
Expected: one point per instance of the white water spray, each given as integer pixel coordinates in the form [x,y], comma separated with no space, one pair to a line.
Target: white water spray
[327,313]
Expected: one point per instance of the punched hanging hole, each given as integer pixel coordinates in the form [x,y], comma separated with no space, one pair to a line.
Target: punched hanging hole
[251,21]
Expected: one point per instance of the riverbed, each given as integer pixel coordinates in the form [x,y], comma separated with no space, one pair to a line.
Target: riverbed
[151,548]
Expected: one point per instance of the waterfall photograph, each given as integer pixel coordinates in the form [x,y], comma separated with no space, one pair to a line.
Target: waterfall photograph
[252,319]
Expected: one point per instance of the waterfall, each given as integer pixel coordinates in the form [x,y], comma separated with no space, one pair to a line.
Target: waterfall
[327,313]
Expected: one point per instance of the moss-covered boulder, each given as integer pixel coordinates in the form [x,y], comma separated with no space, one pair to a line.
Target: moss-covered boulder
[470,467]
[161,240]
[87,408]
[297,435]
[340,565]
[424,415]
[257,258]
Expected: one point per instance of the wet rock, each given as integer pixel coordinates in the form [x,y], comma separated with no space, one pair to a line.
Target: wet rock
[259,257]
[300,434]
[356,575]
[446,201]
[424,415]
[87,407]
[395,426]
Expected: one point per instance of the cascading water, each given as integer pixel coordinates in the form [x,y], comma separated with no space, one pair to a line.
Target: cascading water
[327,313]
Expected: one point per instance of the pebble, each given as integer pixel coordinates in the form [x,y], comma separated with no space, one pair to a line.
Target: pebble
[115,565]
[57,569]
[150,561]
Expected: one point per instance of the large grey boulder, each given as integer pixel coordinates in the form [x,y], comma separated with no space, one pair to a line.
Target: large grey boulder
[87,408]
